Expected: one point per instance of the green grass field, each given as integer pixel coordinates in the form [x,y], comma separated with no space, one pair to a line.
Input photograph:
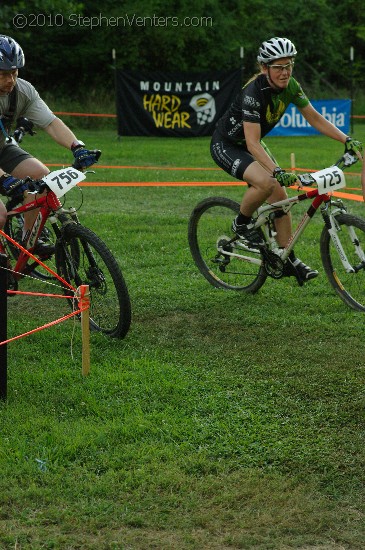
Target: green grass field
[222,420]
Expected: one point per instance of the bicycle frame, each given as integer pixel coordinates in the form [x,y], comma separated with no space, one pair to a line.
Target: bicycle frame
[56,184]
[285,205]
[264,213]
[231,261]
[77,256]
[47,205]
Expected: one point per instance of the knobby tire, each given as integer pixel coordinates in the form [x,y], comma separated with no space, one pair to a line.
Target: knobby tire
[95,266]
[350,287]
[209,227]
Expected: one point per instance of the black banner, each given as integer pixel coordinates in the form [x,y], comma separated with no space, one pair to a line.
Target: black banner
[175,105]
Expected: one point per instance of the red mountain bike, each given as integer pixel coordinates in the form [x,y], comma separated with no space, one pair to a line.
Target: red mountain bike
[77,254]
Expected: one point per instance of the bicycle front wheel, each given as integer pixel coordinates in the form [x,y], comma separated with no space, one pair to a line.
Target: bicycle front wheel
[95,266]
[209,236]
[350,287]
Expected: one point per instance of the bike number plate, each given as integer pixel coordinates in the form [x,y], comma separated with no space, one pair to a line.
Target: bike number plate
[61,181]
[329,179]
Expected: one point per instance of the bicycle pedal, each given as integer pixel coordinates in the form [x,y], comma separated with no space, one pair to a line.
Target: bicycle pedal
[291,271]
[299,279]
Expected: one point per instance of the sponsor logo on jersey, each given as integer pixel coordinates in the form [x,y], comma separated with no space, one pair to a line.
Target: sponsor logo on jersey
[251,101]
[274,116]
[235,166]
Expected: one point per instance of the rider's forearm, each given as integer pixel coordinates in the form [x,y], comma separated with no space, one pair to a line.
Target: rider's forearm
[252,132]
[259,153]
[60,133]
[330,130]
[323,125]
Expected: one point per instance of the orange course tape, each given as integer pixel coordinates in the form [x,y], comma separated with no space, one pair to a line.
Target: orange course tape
[42,327]
[53,273]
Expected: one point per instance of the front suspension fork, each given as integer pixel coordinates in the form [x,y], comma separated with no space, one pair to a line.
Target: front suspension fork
[333,230]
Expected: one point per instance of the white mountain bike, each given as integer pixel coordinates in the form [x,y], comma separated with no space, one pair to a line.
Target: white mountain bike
[226,261]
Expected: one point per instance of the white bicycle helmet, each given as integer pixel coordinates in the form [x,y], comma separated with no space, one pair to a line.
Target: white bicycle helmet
[11,54]
[276,48]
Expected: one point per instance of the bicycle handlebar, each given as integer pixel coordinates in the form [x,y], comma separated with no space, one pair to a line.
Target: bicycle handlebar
[38,186]
[347,159]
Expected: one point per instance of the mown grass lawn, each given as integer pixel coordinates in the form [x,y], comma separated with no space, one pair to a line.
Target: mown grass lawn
[221,421]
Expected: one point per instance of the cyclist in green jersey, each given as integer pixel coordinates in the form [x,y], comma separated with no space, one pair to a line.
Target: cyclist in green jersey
[237,145]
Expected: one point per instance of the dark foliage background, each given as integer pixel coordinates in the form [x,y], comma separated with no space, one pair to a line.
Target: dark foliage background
[69,44]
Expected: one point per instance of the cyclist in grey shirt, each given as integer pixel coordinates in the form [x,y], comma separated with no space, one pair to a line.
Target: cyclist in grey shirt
[18,98]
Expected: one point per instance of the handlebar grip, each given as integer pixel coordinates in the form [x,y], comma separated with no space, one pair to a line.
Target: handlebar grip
[18,186]
[95,152]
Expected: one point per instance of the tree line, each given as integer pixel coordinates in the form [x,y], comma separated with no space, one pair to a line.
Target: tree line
[73,47]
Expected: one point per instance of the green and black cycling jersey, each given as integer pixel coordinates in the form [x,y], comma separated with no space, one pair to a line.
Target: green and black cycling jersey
[259,103]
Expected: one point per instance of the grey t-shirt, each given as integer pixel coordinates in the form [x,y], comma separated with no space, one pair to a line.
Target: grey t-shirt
[29,105]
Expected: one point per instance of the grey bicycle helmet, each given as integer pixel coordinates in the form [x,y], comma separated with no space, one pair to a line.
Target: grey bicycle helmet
[11,54]
[275,48]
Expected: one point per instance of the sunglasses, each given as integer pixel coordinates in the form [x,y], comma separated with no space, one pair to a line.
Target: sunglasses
[280,68]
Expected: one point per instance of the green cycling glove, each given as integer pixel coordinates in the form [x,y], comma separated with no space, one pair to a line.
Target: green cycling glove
[285,178]
[353,146]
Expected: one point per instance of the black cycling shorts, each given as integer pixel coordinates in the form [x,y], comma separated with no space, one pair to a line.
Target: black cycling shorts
[232,158]
[10,156]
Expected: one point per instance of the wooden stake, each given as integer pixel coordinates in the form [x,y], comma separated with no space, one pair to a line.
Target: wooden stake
[292,161]
[84,304]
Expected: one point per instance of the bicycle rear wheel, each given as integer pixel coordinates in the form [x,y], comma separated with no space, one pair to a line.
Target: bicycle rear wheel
[350,287]
[209,236]
[95,266]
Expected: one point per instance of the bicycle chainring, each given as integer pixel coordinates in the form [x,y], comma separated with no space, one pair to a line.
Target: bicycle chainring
[273,264]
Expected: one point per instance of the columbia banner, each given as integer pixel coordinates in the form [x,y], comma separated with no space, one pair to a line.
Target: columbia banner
[176,105]
[293,123]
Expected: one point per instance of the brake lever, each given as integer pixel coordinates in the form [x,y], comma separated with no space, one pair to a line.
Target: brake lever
[346,160]
[35,186]
[306,180]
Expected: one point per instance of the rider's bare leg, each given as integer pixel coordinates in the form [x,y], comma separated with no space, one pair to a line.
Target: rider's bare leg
[35,169]
[261,188]
[264,188]
[283,225]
